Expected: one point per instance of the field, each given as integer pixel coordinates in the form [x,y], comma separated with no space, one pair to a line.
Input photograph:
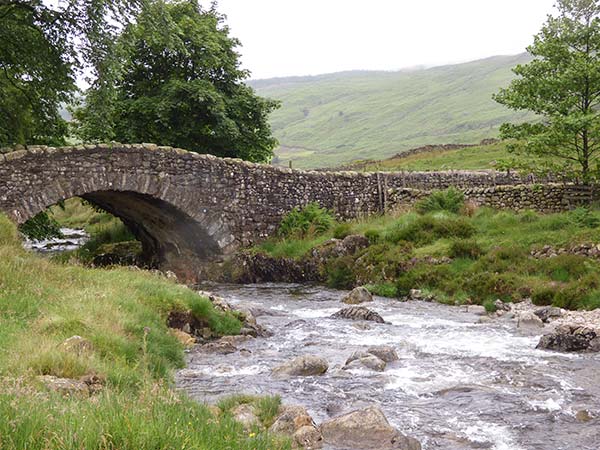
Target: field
[330,120]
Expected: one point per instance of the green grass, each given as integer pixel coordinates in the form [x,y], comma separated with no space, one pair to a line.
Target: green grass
[489,251]
[329,120]
[480,157]
[123,313]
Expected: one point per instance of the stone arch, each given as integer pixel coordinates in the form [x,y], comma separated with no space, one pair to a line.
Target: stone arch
[168,211]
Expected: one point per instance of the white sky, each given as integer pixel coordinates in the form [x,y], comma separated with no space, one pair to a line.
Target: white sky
[307,37]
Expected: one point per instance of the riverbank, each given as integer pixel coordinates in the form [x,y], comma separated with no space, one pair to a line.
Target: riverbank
[87,359]
[469,256]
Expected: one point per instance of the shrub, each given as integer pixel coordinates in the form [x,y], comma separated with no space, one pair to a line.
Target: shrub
[311,219]
[383,289]
[451,200]
[41,226]
[543,296]
[566,267]
[427,229]
[340,274]
[528,216]
[569,297]
[463,248]
[373,236]
[490,306]
[341,230]
[584,217]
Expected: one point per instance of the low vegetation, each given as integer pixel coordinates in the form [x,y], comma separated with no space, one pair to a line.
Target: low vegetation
[480,157]
[465,255]
[122,313]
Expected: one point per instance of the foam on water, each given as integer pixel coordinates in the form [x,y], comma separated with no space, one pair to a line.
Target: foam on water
[458,384]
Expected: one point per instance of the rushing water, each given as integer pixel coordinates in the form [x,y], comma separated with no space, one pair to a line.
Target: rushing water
[71,239]
[458,385]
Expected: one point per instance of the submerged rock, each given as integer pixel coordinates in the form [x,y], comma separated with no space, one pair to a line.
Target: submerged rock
[365,428]
[374,358]
[571,338]
[368,361]
[358,313]
[386,353]
[358,295]
[303,366]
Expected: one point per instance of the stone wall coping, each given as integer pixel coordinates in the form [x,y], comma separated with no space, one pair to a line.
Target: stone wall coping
[23,151]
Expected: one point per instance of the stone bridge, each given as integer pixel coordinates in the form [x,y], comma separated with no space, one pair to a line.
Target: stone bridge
[185,207]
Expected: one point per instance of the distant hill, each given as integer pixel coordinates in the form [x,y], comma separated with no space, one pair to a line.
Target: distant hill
[329,120]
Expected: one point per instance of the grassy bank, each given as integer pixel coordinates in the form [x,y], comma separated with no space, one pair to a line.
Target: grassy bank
[122,313]
[467,256]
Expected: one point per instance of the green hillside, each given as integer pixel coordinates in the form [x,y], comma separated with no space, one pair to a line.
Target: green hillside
[332,119]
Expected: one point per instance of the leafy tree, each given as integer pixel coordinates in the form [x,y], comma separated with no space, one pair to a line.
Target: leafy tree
[179,83]
[562,86]
[43,45]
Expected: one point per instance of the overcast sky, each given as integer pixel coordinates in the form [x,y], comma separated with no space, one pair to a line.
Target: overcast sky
[307,37]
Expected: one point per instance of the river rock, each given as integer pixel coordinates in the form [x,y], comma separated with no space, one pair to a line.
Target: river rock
[246,415]
[548,312]
[309,438]
[290,419]
[571,338]
[501,306]
[358,313]
[369,361]
[528,321]
[65,386]
[365,429]
[220,347]
[478,310]
[185,339]
[302,366]
[358,295]
[384,352]
[77,345]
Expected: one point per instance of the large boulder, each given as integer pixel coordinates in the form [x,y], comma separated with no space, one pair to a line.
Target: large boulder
[571,338]
[302,366]
[365,429]
[358,295]
[358,313]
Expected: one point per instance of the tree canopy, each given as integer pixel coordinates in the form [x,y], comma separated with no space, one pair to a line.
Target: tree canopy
[177,81]
[562,86]
[43,46]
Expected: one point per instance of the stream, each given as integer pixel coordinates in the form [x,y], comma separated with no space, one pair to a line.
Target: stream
[458,384]
[71,239]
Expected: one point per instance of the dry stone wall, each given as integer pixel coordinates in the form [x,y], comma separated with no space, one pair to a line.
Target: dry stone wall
[183,205]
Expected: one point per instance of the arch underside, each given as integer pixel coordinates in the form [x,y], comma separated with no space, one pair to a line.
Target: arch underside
[170,238]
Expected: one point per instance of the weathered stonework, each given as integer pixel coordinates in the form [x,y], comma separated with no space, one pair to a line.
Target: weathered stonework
[185,206]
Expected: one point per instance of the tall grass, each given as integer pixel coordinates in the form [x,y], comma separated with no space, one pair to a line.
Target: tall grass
[123,314]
